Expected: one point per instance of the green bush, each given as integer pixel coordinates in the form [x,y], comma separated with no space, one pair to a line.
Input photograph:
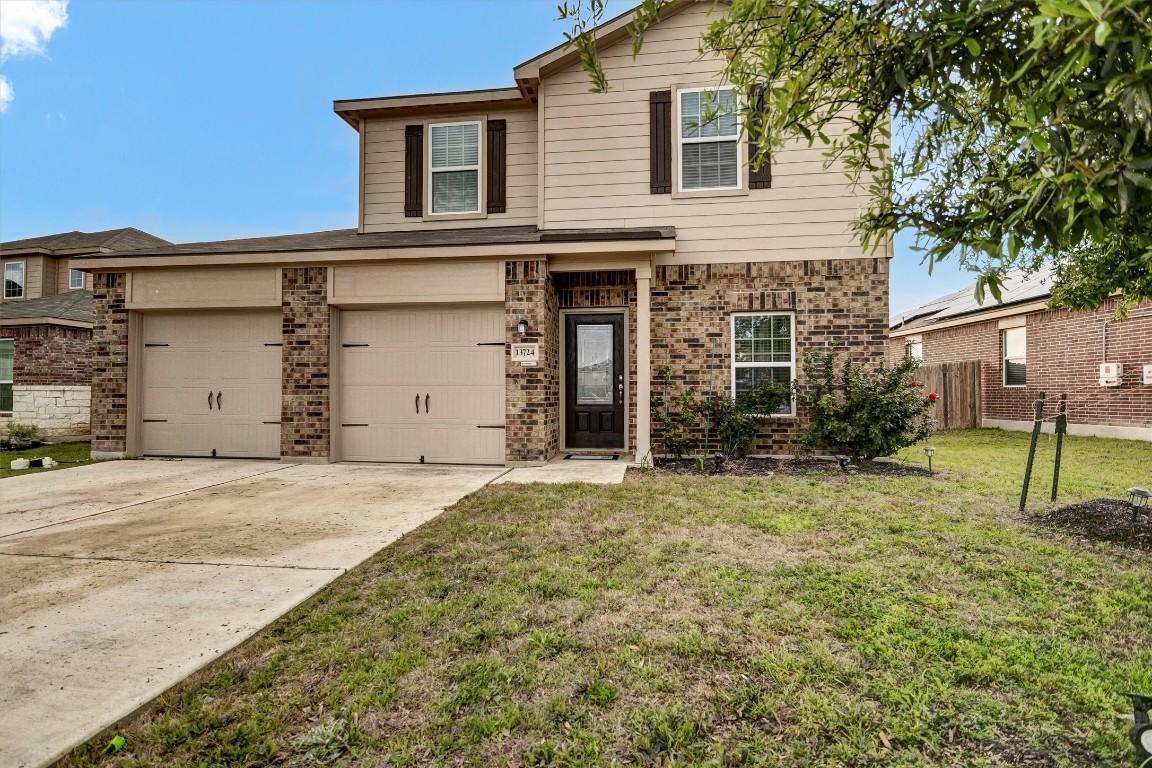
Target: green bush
[19,434]
[690,422]
[860,413]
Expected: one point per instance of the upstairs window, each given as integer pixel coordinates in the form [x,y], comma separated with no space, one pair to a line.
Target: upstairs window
[75,279]
[1015,342]
[709,139]
[14,280]
[454,168]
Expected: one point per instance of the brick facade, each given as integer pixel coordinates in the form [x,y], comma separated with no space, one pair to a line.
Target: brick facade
[532,423]
[1065,350]
[109,364]
[50,355]
[841,303]
[304,420]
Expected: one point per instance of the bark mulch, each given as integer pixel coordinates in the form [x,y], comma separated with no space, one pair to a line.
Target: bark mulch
[797,465]
[1107,520]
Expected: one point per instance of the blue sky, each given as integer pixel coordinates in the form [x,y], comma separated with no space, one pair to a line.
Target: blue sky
[206,119]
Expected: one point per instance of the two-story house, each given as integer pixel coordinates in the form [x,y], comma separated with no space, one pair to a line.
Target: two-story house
[525,258]
[46,327]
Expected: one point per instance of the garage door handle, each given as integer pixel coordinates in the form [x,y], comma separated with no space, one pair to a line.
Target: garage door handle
[417,402]
[218,400]
[426,408]
[209,400]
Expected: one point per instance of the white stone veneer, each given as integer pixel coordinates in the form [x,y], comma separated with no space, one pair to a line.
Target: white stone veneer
[56,410]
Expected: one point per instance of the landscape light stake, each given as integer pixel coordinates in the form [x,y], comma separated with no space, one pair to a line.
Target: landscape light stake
[1032,450]
[1141,732]
[928,451]
[1061,428]
[1138,500]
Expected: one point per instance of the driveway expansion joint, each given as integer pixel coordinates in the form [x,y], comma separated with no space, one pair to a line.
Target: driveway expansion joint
[174,562]
[144,501]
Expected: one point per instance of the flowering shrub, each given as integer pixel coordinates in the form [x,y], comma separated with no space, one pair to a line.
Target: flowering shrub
[860,413]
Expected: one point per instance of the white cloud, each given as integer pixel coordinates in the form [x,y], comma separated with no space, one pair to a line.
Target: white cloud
[26,26]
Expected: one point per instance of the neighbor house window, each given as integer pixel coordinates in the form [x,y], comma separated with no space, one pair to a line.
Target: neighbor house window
[709,139]
[763,349]
[915,349]
[455,168]
[1015,357]
[75,279]
[14,280]
[7,355]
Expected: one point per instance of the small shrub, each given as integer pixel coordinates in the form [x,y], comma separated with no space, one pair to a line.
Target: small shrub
[324,742]
[860,413]
[21,434]
[729,425]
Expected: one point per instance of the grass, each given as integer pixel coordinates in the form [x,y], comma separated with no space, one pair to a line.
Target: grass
[68,454]
[820,620]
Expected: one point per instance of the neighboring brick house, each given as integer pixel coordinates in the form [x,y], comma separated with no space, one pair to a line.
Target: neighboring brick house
[1025,348]
[525,258]
[46,327]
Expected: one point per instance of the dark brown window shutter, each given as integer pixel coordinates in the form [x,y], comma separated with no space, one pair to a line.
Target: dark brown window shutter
[660,141]
[497,166]
[760,178]
[414,170]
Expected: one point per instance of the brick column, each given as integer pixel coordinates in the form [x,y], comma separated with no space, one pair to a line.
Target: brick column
[305,433]
[109,366]
[532,419]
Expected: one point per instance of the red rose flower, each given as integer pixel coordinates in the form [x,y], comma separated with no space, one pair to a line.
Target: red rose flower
[913,383]
[932,397]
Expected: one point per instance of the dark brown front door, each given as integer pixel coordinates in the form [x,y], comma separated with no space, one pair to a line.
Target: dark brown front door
[594,383]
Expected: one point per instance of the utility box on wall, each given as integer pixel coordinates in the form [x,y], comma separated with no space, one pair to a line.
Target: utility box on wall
[1111,374]
[1148,374]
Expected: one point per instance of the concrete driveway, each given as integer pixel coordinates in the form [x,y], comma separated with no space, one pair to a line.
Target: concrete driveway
[118,580]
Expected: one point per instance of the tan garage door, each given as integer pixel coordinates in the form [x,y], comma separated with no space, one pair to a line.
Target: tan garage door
[423,384]
[211,382]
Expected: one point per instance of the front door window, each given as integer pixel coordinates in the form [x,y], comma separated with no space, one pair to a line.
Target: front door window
[594,364]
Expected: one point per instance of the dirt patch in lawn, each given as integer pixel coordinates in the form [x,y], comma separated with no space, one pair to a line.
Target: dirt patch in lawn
[761,467]
[1108,520]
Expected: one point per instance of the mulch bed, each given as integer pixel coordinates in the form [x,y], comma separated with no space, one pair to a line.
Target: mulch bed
[789,466]
[1107,520]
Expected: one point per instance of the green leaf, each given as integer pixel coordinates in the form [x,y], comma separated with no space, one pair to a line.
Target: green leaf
[973,47]
[115,745]
[1103,29]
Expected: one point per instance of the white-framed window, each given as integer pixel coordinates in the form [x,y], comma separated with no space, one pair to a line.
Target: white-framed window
[454,167]
[1015,344]
[709,139]
[75,279]
[7,360]
[763,349]
[915,348]
[14,280]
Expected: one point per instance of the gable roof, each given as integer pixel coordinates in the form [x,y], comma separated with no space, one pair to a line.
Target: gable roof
[1018,287]
[527,74]
[72,243]
[73,306]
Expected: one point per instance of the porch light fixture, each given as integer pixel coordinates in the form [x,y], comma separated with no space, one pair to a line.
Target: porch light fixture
[928,451]
[522,327]
[1138,500]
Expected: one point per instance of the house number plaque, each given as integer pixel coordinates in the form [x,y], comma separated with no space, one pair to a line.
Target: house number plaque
[528,355]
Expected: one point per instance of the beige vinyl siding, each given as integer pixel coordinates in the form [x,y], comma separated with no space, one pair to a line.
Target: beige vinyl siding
[33,276]
[596,164]
[383,193]
[63,267]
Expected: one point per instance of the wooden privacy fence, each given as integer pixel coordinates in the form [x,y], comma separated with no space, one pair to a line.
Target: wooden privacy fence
[958,385]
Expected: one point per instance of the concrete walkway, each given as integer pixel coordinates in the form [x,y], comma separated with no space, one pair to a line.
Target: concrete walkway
[562,470]
[118,580]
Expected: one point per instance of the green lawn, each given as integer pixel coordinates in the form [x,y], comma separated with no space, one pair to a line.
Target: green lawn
[817,620]
[68,454]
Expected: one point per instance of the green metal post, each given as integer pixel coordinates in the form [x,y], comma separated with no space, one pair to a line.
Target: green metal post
[1032,450]
[1061,428]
